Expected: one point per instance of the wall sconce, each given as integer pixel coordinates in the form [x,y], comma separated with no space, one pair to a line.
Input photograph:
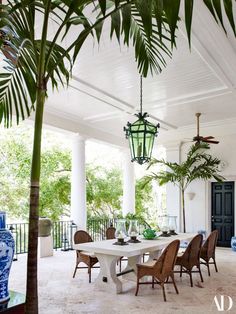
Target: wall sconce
[190,196]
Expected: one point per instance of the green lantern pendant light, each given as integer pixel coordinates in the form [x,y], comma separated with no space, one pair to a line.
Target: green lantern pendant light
[141,135]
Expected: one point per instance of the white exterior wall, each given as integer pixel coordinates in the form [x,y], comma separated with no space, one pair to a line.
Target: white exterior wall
[172,191]
[198,210]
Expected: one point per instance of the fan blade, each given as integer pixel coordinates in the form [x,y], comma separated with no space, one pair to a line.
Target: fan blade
[212,142]
[208,137]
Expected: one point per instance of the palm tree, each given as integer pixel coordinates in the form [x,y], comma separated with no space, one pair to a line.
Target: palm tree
[33,61]
[198,165]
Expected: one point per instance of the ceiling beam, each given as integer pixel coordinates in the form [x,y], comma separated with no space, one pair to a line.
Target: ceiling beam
[125,108]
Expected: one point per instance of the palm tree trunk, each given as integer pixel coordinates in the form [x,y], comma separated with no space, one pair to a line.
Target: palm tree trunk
[183,208]
[32,275]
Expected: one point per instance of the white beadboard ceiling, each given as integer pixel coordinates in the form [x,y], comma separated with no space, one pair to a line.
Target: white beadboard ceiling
[104,92]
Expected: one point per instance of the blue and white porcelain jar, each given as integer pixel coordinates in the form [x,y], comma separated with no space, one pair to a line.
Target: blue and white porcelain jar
[6,256]
[233,243]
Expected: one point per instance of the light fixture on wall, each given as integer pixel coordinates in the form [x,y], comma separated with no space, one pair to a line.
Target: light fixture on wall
[141,135]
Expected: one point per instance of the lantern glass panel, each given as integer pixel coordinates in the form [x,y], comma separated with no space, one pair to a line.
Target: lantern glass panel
[121,232]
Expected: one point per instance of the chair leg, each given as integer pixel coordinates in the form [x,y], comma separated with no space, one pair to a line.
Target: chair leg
[181,271]
[152,282]
[191,278]
[137,287]
[200,272]
[120,265]
[89,272]
[75,269]
[173,280]
[163,290]
[215,265]
[208,268]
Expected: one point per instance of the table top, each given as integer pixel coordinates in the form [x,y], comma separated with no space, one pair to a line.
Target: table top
[132,249]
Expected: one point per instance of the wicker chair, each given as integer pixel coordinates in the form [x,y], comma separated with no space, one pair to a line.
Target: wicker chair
[160,269]
[110,233]
[208,250]
[87,258]
[191,258]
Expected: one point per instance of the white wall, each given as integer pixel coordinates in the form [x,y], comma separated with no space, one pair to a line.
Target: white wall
[198,210]
[172,191]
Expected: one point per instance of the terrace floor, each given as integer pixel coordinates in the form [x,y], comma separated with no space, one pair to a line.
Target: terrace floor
[60,293]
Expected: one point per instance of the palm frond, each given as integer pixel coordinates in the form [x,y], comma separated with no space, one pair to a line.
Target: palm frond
[198,165]
[18,85]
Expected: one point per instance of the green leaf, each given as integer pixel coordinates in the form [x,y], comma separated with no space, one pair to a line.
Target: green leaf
[115,24]
[144,8]
[171,9]
[103,6]
[229,12]
[210,7]
[218,10]
[126,22]
[188,18]
[158,11]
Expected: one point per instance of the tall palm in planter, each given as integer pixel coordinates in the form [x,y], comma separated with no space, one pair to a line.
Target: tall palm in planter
[199,165]
[35,59]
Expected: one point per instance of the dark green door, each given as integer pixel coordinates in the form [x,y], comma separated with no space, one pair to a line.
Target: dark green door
[223,211]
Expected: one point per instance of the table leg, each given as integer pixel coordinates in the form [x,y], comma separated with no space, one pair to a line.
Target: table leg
[154,254]
[107,277]
[132,261]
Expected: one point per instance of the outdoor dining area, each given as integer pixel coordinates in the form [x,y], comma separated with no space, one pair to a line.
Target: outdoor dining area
[151,255]
[64,288]
[144,221]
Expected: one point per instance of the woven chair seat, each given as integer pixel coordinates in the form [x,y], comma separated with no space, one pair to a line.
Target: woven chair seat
[190,258]
[88,254]
[161,269]
[150,263]
[88,258]
[208,251]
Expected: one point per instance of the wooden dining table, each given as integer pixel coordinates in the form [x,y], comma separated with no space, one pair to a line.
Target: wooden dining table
[108,254]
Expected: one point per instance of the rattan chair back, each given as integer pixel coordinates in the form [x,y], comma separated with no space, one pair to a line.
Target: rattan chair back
[168,258]
[110,233]
[82,236]
[210,244]
[191,256]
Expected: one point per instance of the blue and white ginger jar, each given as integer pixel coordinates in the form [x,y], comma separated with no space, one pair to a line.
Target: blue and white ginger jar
[7,246]
[233,243]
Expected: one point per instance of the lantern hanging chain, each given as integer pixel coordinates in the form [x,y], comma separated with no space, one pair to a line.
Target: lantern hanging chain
[141,95]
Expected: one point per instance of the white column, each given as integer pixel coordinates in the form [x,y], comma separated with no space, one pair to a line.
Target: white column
[128,185]
[78,183]
[173,200]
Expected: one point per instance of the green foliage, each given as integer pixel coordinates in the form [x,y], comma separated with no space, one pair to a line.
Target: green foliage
[198,165]
[144,198]
[104,191]
[104,187]
[149,25]
[104,194]
[15,173]
[32,60]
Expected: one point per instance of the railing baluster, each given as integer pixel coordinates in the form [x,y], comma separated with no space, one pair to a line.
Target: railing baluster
[63,229]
